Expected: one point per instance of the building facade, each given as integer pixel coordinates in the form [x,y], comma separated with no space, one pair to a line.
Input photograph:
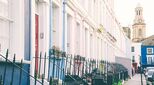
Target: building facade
[138,35]
[139,27]
[147,52]
[87,28]
[127,32]
[136,54]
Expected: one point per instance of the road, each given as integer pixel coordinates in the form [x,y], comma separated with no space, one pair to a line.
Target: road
[136,80]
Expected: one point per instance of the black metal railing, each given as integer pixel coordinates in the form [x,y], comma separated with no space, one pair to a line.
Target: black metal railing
[6,62]
[70,69]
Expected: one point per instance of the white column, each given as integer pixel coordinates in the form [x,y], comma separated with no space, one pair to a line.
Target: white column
[60,23]
[95,46]
[88,44]
[64,31]
[77,38]
[42,26]
[70,34]
[106,55]
[81,39]
[72,31]
[103,50]
[91,45]
[32,41]
[100,53]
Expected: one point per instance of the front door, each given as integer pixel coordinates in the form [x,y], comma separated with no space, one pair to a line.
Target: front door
[36,41]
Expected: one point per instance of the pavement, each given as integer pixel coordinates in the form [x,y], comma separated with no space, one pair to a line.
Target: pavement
[135,80]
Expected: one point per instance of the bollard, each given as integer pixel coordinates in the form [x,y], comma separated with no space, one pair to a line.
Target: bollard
[1,81]
[43,76]
[50,82]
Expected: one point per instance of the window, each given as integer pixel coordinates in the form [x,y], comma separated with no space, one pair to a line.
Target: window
[133,58]
[149,50]
[140,32]
[139,12]
[132,49]
[149,59]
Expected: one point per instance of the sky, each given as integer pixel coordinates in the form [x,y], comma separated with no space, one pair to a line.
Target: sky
[125,13]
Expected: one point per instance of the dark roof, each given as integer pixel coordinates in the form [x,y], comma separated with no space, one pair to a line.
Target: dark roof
[148,41]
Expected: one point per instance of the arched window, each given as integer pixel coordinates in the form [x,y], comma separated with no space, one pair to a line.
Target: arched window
[139,12]
[136,12]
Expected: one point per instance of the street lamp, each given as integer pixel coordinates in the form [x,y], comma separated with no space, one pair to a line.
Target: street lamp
[141,69]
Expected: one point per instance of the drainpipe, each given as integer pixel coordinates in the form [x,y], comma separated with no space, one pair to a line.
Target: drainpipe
[50,35]
[30,27]
[64,39]
[50,23]
[32,36]
[64,26]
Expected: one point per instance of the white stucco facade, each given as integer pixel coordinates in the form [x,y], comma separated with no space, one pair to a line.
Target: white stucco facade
[137,52]
[84,33]
[12,24]
[87,28]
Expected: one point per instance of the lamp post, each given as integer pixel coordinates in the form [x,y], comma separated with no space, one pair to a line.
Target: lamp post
[141,69]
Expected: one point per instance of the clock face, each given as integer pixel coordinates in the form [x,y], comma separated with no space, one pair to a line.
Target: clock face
[140,20]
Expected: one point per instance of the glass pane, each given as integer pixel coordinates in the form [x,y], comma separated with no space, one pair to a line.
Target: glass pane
[149,60]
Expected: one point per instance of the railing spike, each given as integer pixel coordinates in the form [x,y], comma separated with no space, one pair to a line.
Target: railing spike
[40,64]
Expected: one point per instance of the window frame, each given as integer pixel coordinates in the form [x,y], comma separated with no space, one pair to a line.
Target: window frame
[147,50]
[132,49]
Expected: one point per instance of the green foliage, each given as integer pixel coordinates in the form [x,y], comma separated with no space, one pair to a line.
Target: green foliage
[114,83]
[119,83]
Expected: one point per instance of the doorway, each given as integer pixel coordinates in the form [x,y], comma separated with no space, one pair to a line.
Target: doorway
[36,41]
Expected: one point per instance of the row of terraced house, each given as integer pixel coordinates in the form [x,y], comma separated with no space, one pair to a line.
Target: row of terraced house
[81,29]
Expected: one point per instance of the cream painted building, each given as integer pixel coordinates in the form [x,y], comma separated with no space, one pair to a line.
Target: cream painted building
[24,30]
[136,53]
[84,26]
[91,30]
[138,35]
[87,28]
[139,27]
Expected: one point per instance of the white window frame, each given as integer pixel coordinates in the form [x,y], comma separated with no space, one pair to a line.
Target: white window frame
[149,49]
[150,59]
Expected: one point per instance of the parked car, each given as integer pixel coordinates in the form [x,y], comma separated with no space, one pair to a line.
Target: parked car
[147,69]
[150,75]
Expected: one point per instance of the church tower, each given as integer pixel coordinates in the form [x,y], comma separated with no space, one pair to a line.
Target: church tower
[139,32]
